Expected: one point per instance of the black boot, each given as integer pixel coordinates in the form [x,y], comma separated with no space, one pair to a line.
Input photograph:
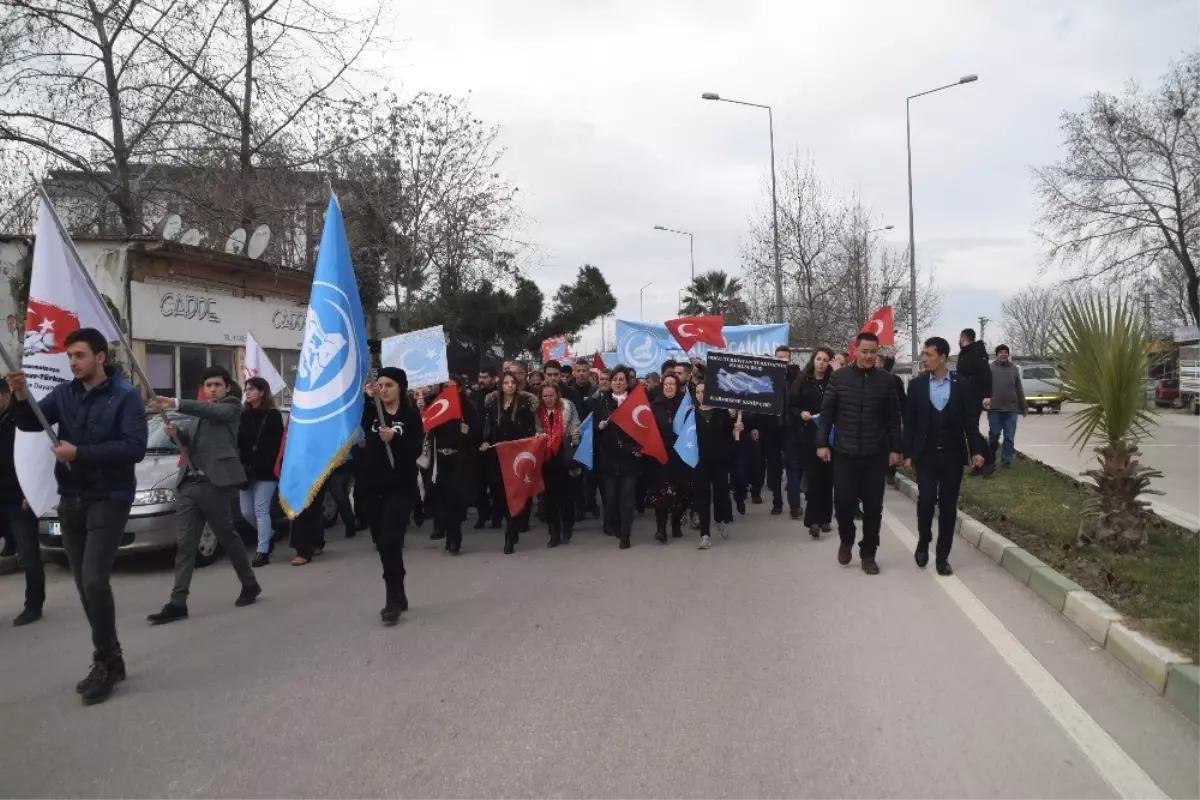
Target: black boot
[660,535]
[624,545]
[508,544]
[105,673]
[555,537]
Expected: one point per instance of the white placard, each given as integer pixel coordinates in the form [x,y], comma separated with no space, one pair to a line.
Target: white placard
[421,354]
[167,312]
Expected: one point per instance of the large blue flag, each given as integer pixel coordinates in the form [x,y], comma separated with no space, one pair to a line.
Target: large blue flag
[681,413]
[583,453]
[327,402]
[686,443]
[644,346]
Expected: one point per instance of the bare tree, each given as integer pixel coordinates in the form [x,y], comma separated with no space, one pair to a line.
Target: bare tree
[1124,203]
[1029,319]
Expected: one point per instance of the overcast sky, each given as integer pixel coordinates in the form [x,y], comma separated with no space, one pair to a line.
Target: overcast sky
[599,105]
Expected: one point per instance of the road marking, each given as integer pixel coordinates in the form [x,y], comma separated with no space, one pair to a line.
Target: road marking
[1123,775]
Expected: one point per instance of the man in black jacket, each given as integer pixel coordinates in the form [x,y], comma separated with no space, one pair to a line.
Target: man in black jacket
[102,434]
[974,366]
[20,521]
[861,408]
[941,428]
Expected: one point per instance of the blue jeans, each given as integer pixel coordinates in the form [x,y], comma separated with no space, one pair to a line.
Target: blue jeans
[791,466]
[1002,422]
[255,503]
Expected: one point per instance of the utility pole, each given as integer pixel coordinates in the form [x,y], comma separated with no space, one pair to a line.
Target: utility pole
[983,321]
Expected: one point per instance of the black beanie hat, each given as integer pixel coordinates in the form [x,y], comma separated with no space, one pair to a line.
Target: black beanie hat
[395,374]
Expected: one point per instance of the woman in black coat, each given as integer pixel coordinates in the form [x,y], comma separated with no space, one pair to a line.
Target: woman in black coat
[451,443]
[620,458]
[671,483]
[715,429]
[260,437]
[804,406]
[507,419]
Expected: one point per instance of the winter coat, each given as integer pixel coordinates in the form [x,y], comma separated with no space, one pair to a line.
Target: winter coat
[619,452]
[714,433]
[260,435]
[377,471]
[973,365]
[806,394]
[862,403]
[10,487]
[508,425]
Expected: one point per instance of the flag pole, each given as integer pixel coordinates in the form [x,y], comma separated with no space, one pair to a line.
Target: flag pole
[379,413]
[137,368]
[33,404]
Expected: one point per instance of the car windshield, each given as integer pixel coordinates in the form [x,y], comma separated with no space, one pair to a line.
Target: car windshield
[158,442]
[1041,373]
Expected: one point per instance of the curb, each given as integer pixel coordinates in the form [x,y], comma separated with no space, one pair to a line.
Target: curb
[1172,675]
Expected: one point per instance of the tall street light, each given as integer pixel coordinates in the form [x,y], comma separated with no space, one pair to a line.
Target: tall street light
[912,242]
[641,303]
[774,195]
[691,245]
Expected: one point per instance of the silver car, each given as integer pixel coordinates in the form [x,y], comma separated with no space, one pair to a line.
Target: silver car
[152,526]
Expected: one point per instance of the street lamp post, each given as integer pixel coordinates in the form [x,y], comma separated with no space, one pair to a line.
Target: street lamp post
[912,243]
[691,245]
[774,194]
[641,303]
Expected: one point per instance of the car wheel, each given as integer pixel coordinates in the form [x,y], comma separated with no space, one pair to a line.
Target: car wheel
[209,549]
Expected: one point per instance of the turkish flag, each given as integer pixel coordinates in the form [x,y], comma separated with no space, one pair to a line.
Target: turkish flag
[852,350]
[555,347]
[597,362]
[690,330]
[447,406]
[883,324]
[635,417]
[521,467]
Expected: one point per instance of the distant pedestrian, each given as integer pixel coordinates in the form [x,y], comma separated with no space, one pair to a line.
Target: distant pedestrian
[941,432]
[804,403]
[508,416]
[260,437]
[861,403]
[670,483]
[1007,399]
[973,365]
[715,435]
[557,420]
[620,459]
[21,522]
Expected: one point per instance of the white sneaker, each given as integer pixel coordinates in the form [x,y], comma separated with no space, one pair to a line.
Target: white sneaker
[723,529]
[705,542]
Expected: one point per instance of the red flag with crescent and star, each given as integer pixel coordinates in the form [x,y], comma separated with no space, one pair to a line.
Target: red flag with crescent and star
[521,467]
[690,330]
[597,361]
[446,407]
[883,324]
[636,418]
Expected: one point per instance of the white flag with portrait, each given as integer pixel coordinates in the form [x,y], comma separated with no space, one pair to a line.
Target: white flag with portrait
[257,365]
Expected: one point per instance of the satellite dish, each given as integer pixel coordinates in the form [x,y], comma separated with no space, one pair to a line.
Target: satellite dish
[171,226]
[236,242]
[191,237]
[259,241]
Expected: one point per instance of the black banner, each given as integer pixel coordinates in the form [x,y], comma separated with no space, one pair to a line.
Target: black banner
[756,384]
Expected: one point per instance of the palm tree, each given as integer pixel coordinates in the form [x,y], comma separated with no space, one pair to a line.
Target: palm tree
[1100,343]
[715,293]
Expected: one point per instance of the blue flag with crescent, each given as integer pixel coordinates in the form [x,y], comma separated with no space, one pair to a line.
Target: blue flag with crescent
[327,401]
[583,453]
[686,443]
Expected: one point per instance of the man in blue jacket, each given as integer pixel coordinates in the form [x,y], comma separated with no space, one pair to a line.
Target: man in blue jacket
[941,428]
[102,434]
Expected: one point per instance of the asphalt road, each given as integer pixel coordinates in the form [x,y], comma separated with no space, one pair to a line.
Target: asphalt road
[1174,448]
[757,668]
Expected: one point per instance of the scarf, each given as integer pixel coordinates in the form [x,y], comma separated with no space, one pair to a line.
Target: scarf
[555,430]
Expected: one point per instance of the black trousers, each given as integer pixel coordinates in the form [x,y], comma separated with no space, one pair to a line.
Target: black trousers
[338,486]
[22,527]
[389,512]
[989,455]
[489,502]
[772,447]
[711,499]
[447,500]
[819,496]
[619,499]
[308,528]
[939,477]
[860,479]
[91,532]
[560,497]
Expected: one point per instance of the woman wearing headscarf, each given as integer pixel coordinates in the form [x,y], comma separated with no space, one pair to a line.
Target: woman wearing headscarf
[671,483]
[620,458]
[715,429]
[508,419]
[804,406]
[390,447]
[450,443]
[558,421]
[260,437]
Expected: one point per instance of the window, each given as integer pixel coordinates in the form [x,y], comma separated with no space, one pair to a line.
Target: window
[285,361]
[1040,373]
[176,370]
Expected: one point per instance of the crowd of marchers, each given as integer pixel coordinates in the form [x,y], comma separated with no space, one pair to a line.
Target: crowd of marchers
[849,423]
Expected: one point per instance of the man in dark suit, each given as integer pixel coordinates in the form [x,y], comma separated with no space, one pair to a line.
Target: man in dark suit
[208,484]
[941,429]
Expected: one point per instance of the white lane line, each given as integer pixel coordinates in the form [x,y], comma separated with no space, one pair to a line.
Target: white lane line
[1112,763]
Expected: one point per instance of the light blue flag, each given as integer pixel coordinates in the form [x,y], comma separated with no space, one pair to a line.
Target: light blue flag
[686,444]
[685,407]
[327,402]
[421,354]
[583,453]
[644,346]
